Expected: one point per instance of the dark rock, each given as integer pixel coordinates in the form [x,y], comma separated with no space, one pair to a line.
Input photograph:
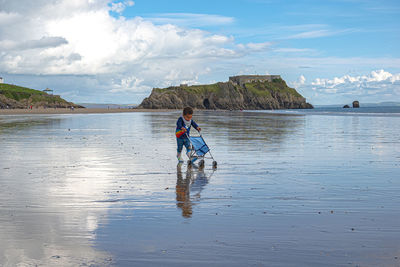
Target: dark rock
[356,104]
[346,106]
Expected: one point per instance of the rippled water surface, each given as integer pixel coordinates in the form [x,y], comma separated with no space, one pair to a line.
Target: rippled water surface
[290,190]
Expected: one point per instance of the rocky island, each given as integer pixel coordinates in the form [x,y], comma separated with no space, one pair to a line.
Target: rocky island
[17,97]
[240,92]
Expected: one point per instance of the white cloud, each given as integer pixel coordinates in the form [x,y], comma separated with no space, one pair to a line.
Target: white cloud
[375,78]
[304,31]
[190,19]
[64,37]
[310,34]
[255,47]
[300,82]
[128,84]
[119,7]
[44,42]
[302,79]
[293,50]
[318,33]
[376,86]
[304,27]
[8,18]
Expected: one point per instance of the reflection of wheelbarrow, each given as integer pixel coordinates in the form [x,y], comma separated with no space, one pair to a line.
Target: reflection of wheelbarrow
[199,151]
[189,188]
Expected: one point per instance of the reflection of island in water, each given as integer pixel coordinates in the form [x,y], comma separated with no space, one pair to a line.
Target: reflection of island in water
[234,127]
[192,185]
[18,123]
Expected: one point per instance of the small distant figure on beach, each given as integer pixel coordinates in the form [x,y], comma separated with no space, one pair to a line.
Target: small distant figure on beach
[182,132]
[72,108]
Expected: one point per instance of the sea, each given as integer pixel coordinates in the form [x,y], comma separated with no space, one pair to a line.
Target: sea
[316,187]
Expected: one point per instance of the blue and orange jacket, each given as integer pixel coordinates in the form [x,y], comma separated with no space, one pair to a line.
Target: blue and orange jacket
[179,124]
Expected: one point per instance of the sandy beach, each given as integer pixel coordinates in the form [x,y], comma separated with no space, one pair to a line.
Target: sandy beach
[75,111]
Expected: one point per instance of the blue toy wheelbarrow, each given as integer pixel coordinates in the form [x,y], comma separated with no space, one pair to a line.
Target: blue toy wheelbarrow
[199,151]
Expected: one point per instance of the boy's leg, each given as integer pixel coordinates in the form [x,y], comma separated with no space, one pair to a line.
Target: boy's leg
[189,150]
[180,143]
[187,146]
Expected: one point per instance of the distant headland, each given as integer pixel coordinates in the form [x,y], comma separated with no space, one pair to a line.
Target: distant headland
[253,92]
[17,97]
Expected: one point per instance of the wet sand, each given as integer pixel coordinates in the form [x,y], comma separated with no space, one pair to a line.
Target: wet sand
[105,190]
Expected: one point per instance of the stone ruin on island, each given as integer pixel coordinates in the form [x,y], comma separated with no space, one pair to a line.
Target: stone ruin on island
[243,79]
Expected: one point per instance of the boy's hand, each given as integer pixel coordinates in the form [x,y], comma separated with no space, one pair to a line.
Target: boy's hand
[199,129]
[184,129]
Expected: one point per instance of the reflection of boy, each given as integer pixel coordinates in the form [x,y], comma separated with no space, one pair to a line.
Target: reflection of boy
[183,126]
[183,193]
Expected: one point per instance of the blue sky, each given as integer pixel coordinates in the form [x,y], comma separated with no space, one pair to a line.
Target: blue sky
[333,28]
[117,51]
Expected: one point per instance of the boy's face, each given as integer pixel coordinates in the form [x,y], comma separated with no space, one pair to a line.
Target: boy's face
[188,117]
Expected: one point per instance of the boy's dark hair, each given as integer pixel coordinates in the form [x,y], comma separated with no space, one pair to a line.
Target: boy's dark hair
[187,111]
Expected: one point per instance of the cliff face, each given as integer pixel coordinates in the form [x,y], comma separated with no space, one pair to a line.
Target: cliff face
[12,96]
[227,95]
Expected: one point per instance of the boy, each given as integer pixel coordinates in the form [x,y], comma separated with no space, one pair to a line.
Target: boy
[183,126]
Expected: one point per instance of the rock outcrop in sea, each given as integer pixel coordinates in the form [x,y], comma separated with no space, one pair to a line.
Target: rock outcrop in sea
[240,92]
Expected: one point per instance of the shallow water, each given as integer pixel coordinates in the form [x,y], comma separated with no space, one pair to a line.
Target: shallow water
[290,190]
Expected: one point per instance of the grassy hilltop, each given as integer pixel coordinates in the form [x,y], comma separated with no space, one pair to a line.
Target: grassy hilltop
[13,96]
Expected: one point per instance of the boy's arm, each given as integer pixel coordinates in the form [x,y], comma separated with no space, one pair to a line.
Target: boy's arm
[194,124]
[180,129]
[179,123]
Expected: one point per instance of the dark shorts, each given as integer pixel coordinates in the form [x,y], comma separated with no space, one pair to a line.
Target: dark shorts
[183,142]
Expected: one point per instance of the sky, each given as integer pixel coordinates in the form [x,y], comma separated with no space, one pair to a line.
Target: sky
[104,51]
